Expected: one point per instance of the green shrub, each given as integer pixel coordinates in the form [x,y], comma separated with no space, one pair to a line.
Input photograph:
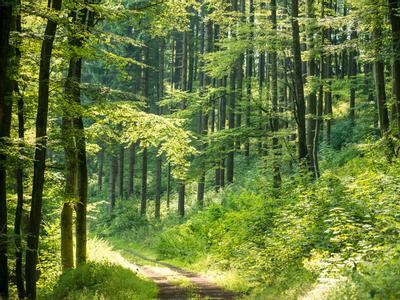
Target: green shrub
[375,280]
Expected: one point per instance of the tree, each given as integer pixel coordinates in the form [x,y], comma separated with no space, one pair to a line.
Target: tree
[40,154]
[5,123]
[298,84]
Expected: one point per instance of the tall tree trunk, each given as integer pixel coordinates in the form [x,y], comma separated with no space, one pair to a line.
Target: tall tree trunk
[275,110]
[67,248]
[352,73]
[81,205]
[298,80]
[158,187]
[249,75]
[311,72]
[203,115]
[379,77]
[394,6]
[40,155]
[20,196]
[181,199]
[143,203]
[160,95]
[131,170]
[5,124]
[121,165]
[101,170]
[113,177]
[19,278]
[168,191]
[146,94]
[222,125]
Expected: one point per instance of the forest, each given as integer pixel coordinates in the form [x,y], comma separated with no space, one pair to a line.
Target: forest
[200,149]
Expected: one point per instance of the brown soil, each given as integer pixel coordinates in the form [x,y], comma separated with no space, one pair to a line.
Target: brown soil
[176,283]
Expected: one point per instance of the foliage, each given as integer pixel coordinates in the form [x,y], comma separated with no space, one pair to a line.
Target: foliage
[342,225]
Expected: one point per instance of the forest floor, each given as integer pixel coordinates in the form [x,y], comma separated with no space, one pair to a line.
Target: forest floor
[176,283]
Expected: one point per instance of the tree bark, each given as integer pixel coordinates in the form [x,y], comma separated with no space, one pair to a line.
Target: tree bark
[298,81]
[5,125]
[113,175]
[101,170]
[311,73]
[121,171]
[131,170]
[275,110]
[394,6]
[379,78]
[143,203]
[40,155]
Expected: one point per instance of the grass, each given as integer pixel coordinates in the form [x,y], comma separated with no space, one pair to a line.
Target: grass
[107,275]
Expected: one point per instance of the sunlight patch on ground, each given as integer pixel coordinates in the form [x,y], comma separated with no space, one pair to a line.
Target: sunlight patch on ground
[321,289]
[101,251]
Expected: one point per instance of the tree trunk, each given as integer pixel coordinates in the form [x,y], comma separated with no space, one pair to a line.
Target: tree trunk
[275,110]
[67,252]
[168,184]
[181,199]
[311,72]
[143,203]
[298,81]
[19,279]
[249,75]
[131,170]
[121,171]
[101,170]
[40,155]
[113,175]
[352,73]
[158,187]
[379,77]
[81,206]
[394,6]
[5,124]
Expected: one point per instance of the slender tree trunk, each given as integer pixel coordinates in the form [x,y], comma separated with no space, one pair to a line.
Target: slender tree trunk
[146,94]
[311,72]
[67,248]
[394,6]
[275,110]
[5,124]
[113,176]
[40,155]
[143,203]
[298,80]
[222,125]
[131,170]
[181,199]
[379,77]
[168,184]
[158,187]
[249,75]
[19,279]
[81,205]
[352,77]
[20,203]
[101,170]
[203,115]
[121,171]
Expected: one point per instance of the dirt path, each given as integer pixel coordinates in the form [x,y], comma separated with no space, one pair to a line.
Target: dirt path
[175,283]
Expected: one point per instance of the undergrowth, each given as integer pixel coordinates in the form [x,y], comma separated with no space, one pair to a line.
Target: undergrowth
[281,243]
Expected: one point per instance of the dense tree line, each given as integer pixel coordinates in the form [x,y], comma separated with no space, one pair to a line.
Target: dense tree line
[148,97]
